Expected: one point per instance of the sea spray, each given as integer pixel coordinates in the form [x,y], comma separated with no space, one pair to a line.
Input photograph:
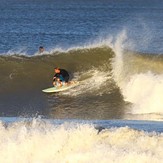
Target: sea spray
[145,92]
[142,89]
[118,62]
[91,82]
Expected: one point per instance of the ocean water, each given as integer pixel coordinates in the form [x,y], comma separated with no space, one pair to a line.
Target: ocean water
[114,49]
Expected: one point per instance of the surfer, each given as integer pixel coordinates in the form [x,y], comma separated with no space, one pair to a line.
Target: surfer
[41,49]
[61,75]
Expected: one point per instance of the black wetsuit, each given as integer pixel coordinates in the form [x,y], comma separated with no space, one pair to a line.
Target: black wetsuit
[63,75]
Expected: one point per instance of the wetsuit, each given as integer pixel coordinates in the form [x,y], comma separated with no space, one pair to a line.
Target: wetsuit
[63,75]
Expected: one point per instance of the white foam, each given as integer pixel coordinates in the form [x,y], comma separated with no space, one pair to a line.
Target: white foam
[145,91]
[88,45]
[44,142]
[20,52]
[92,84]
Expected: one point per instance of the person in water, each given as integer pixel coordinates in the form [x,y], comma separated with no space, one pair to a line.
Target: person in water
[41,49]
[61,75]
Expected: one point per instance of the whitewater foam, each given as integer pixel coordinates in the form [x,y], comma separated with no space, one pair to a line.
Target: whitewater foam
[93,83]
[40,141]
[145,92]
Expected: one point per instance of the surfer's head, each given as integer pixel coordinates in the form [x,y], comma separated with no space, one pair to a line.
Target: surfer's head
[41,49]
[57,70]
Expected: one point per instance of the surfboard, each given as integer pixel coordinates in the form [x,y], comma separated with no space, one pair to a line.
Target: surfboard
[62,88]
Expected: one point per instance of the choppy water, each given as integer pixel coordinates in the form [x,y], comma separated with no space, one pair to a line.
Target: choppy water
[114,48]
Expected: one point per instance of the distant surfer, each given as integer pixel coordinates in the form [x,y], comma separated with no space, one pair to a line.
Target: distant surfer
[61,75]
[41,49]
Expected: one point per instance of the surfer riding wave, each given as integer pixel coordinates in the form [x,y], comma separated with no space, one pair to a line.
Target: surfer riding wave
[60,76]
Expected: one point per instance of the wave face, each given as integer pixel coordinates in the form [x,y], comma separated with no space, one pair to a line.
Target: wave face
[30,141]
[21,74]
[16,71]
[23,78]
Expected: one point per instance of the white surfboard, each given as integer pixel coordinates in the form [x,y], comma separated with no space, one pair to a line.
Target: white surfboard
[59,89]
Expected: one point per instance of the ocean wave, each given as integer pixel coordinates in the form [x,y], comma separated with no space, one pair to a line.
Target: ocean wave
[139,77]
[20,69]
[105,73]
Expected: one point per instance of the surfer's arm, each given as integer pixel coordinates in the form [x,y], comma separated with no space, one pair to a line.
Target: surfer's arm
[54,77]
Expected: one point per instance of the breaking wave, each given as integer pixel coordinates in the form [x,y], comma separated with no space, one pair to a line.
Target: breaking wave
[107,70]
[45,141]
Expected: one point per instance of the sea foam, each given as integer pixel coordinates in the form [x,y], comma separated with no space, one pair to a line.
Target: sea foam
[44,142]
